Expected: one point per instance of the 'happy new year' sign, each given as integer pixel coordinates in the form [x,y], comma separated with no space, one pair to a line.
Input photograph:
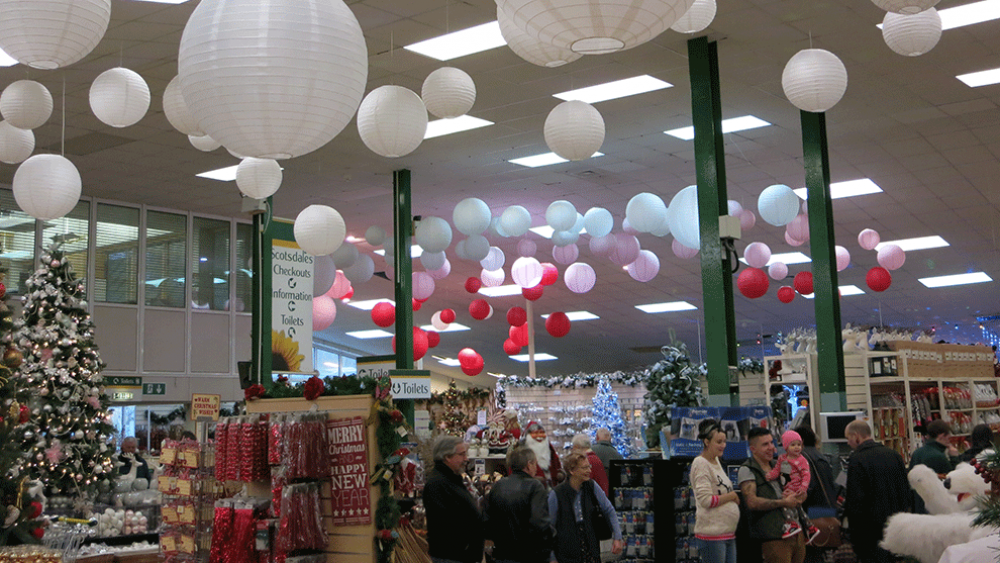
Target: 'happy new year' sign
[350,492]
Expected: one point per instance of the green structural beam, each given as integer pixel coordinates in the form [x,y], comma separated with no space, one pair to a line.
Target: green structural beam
[403,227]
[710,164]
[830,352]
[260,288]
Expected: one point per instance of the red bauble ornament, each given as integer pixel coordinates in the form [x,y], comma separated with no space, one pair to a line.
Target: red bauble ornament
[433,339]
[519,334]
[803,283]
[510,347]
[23,414]
[313,388]
[786,294]
[384,314]
[34,510]
[557,324]
[472,285]
[753,283]
[550,274]
[420,343]
[479,309]
[467,356]
[396,415]
[3,290]
[417,304]
[385,535]
[532,293]
[38,533]
[347,296]
[516,316]
[447,316]
[878,279]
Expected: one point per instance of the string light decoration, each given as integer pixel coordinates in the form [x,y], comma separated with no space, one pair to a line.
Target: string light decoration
[608,414]
[68,434]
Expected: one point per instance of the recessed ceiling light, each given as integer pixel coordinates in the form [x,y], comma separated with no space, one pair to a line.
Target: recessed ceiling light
[501,290]
[460,43]
[227,174]
[542,357]
[850,188]
[578,316]
[453,327]
[957,279]
[6,60]
[415,251]
[845,290]
[919,243]
[671,307]
[370,304]
[614,90]
[981,78]
[544,159]
[367,334]
[441,127]
[447,361]
[544,231]
[786,258]
[731,125]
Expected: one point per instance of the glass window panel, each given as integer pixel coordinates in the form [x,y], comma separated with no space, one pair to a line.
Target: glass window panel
[72,230]
[327,363]
[116,264]
[166,244]
[244,270]
[348,366]
[210,265]
[17,243]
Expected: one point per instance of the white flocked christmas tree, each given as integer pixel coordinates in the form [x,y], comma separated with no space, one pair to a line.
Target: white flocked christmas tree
[608,414]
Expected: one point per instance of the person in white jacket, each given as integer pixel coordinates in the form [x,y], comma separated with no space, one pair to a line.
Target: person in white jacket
[717,505]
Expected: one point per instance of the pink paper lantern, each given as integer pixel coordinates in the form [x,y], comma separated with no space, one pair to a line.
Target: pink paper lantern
[580,277]
[626,249]
[526,248]
[891,257]
[798,229]
[778,271]
[645,267]
[550,274]
[682,251]
[423,286]
[747,219]
[526,272]
[437,323]
[869,239]
[628,228]
[442,272]
[602,246]
[341,285]
[757,254]
[324,312]
[843,258]
[493,278]
[565,254]
[791,241]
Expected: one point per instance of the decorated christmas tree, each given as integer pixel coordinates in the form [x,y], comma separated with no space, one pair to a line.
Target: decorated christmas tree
[608,414]
[671,382]
[453,418]
[67,434]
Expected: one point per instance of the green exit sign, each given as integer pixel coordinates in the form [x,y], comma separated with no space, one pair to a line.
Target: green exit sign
[154,388]
[122,381]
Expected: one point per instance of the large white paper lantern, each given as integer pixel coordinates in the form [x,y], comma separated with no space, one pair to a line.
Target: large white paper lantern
[176,110]
[47,186]
[645,212]
[682,251]
[843,258]
[204,143]
[526,272]
[682,215]
[119,97]
[869,239]
[531,49]
[645,267]
[594,28]
[574,130]
[494,258]
[602,246]
[346,255]
[891,257]
[598,222]
[448,92]
[423,285]
[50,34]
[442,272]
[757,254]
[580,277]
[471,216]
[433,234]
[320,230]
[324,274]
[375,235]
[273,78]
[663,229]
[392,121]
[814,80]
[515,221]
[492,278]
[259,178]
[433,260]
[626,249]
[476,248]
[26,104]
[565,254]
[912,35]
[15,144]
[526,248]
[698,17]
[778,205]
[324,311]
[361,271]
[560,215]
[563,238]
[905,6]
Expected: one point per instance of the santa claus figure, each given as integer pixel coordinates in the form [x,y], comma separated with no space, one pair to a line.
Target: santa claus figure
[549,466]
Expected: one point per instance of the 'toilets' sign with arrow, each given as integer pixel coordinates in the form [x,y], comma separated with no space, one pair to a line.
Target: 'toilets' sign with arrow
[291,302]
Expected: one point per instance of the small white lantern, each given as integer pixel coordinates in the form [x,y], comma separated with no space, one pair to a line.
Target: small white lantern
[580,277]
[433,234]
[176,110]
[814,80]
[442,272]
[515,221]
[905,6]
[319,230]
[471,216]
[598,222]
[798,228]
[476,248]
[526,248]
[492,278]
[26,104]
[778,271]
[531,49]
[50,34]
[778,205]
[526,272]
[448,92]
[47,186]
[682,251]
[645,212]
[565,254]
[645,267]
[258,178]
[345,256]
[362,270]
[204,143]
[433,260]
[698,17]
[912,35]
[494,259]
[574,130]
[843,257]
[119,97]
[423,285]
[682,215]
[15,144]
[561,215]
[437,323]
[563,238]
[392,121]
[324,274]
[375,235]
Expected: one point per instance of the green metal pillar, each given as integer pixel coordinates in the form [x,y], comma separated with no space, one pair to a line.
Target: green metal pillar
[830,352]
[260,292]
[403,227]
[716,266]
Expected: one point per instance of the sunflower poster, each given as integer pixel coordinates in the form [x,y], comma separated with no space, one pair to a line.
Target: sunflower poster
[291,308]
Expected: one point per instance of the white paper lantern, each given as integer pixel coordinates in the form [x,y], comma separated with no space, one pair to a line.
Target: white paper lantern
[580,277]
[645,267]
[734,207]
[757,254]
[346,255]
[324,312]
[645,212]
[626,249]
[663,229]
[515,221]
[843,258]
[869,239]
[176,110]
[792,241]
[682,251]
[204,143]
[798,228]
[698,17]
[602,246]
[682,215]
[747,220]
[273,78]
[526,272]
[477,248]
[905,6]
[50,34]
[448,92]
[778,271]
[375,235]
[26,104]
[492,278]
[565,254]
[432,260]
[460,249]
[912,35]
[392,121]
[471,216]
[578,224]
[778,205]
[47,186]
[574,130]
[891,257]
[15,144]
[563,238]
[526,248]
[531,49]
[320,230]
[561,215]
[814,80]
[496,230]
[437,323]
[423,285]
[594,28]
[494,259]
[119,97]
[324,274]
[598,222]
[259,178]
[361,271]
[442,272]
[433,234]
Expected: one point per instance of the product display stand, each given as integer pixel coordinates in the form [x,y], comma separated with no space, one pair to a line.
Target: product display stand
[646,523]
[189,490]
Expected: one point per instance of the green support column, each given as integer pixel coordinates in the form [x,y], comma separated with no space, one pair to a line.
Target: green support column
[716,267]
[403,226]
[830,352]
[260,290]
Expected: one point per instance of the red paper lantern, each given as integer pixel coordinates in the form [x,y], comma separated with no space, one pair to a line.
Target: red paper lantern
[447,316]
[752,283]
[510,347]
[516,316]
[532,293]
[467,356]
[474,369]
[479,309]
[550,274]
[803,283]
[433,339]
[786,294]
[878,279]
[347,296]
[557,324]
[519,334]
[472,285]
[384,314]
[420,343]
[417,304]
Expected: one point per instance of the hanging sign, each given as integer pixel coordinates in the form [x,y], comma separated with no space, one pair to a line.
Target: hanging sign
[411,383]
[350,491]
[291,307]
[205,407]
[375,366]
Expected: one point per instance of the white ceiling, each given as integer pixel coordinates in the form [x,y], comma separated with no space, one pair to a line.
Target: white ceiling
[928,140]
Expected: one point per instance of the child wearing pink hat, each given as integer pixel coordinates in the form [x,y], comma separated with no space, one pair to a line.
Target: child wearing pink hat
[796,466]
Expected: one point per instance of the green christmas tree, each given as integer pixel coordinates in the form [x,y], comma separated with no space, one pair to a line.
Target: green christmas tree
[453,419]
[671,382]
[67,436]
[608,414]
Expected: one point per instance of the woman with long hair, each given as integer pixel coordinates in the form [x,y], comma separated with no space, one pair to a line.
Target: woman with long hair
[717,505]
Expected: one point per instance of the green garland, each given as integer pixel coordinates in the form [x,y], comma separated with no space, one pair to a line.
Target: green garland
[178,413]
[576,381]
[473,393]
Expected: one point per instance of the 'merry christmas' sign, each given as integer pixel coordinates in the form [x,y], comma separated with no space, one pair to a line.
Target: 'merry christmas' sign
[350,493]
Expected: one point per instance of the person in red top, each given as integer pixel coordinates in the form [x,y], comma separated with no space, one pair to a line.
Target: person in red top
[549,466]
[581,445]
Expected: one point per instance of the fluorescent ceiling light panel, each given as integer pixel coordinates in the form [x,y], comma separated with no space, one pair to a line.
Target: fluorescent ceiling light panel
[370,304]
[6,60]
[415,251]
[578,316]
[919,243]
[542,357]
[845,290]
[732,125]
[786,258]
[501,290]
[441,127]
[544,231]
[453,327]
[614,90]
[981,78]
[460,43]
[447,361]
[850,188]
[957,279]
[368,334]
[544,159]
[671,307]
[227,174]
[967,14]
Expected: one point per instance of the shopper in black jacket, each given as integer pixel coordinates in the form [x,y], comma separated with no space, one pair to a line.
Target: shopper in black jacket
[454,522]
[821,499]
[517,513]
